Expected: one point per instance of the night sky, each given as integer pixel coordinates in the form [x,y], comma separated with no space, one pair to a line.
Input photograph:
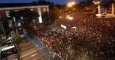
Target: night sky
[55,1]
[20,1]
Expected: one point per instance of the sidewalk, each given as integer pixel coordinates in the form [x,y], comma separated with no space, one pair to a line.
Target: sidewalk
[29,52]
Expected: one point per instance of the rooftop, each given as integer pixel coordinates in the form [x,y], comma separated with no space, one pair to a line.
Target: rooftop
[3,5]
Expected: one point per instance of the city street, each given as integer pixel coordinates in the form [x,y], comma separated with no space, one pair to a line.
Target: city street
[29,52]
[42,48]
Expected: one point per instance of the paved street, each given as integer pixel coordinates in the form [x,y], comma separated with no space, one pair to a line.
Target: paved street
[40,47]
[29,52]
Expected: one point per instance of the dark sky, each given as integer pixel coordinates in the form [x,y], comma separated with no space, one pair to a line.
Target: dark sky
[62,1]
[18,1]
[14,1]
[55,1]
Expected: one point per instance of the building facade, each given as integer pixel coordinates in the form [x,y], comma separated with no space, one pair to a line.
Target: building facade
[5,10]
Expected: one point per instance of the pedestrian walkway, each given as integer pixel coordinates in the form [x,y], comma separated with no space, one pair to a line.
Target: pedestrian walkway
[40,47]
[29,52]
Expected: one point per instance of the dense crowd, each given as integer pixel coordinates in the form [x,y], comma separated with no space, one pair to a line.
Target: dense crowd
[93,38]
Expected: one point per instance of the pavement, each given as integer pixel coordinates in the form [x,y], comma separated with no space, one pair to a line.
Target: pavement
[29,52]
[40,47]
[32,49]
[12,57]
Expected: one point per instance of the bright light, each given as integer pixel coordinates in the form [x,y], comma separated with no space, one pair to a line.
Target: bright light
[74,27]
[99,15]
[60,17]
[40,19]
[63,26]
[73,3]
[6,48]
[70,4]
[98,2]
[9,38]
[19,24]
[69,17]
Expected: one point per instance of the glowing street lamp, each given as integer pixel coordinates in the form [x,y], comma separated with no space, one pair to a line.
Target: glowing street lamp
[113,9]
[70,4]
[97,3]
[73,3]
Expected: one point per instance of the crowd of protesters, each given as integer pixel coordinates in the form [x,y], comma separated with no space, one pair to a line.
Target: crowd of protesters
[93,38]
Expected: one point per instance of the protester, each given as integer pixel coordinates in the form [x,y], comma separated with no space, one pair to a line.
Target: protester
[93,38]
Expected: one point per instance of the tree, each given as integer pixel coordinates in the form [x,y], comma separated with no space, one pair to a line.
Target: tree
[86,5]
[54,14]
[51,16]
[45,17]
[14,14]
[16,38]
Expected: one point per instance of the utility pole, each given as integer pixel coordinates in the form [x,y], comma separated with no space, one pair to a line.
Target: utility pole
[113,9]
[99,7]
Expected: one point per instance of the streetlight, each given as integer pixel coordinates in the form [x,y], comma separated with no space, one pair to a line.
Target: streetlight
[70,4]
[113,7]
[98,3]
